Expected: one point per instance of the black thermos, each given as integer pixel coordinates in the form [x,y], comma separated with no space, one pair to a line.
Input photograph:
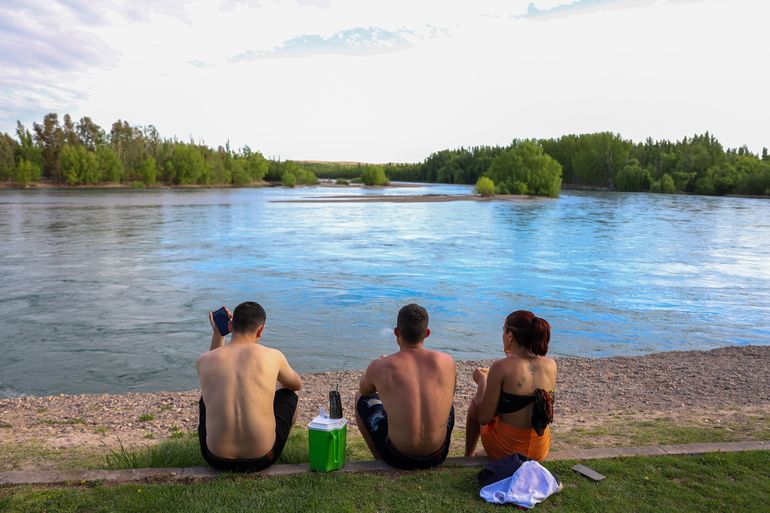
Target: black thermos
[335,405]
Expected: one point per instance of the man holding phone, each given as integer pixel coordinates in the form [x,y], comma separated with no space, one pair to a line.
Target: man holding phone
[248,394]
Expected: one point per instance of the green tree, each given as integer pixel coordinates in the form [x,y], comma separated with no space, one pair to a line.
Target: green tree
[485,186]
[68,131]
[756,183]
[526,169]
[26,172]
[110,167]
[288,179]
[665,185]
[256,165]
[149,171]
[89,133]
[632,178]
[27,149]
[7,156]
[187,165]
[79,166]
[50,138]
[563,149]
[238,172]
[599,157]
[220,168]
[374,175]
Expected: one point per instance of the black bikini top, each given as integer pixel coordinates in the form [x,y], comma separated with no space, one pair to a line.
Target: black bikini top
[542,413]
[510,403]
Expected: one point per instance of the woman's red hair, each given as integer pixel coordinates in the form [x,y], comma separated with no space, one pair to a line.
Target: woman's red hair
[529,331]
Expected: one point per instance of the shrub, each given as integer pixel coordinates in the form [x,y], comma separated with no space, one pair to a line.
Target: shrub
[374,175]
[525,169]
[485,186]
[665,185]
[632,178]
[305,177]
[240,177]
[288,179]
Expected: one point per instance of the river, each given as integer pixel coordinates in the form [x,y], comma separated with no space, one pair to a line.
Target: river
[108,290]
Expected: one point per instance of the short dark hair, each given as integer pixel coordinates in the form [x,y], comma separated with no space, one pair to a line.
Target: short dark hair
[248,317]
[413,323]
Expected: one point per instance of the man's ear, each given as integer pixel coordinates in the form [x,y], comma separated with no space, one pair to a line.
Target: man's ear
[427,332]
[230,325]
[260,330]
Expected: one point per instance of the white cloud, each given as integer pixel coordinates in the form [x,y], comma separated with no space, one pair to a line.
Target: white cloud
[358,79]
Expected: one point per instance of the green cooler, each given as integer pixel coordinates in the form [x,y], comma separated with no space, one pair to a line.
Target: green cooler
[327,439]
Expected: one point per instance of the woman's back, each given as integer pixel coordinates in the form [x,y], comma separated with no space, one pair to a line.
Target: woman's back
[521,377]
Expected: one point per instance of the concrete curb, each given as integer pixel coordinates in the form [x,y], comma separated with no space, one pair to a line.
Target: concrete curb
[191,474]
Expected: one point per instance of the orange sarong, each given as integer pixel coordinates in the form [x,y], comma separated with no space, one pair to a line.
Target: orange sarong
[500,440]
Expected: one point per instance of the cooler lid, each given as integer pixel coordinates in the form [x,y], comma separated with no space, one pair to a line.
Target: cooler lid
[326,424]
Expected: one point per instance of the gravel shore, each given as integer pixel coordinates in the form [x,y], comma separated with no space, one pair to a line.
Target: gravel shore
[730,378]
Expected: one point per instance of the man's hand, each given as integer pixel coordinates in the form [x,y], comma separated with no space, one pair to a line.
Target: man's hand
[480,374]
[214,324]
[217,339]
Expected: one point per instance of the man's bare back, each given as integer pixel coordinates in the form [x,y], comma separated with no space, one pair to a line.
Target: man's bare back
[404,406]
[247,389]
[416,386]
[238,382]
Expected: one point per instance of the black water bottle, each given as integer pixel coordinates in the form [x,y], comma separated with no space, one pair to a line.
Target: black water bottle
[335,405]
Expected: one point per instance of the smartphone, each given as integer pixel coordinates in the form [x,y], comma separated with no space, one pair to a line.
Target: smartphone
[588,472]
[222,321]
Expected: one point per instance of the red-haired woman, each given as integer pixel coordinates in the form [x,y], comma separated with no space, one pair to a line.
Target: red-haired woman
[514,401]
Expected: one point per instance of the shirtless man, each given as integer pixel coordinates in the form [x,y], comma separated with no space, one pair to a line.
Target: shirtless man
[404,406]
[248,395]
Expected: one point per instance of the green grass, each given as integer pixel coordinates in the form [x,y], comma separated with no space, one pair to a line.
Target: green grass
[146,417]
[617,432]
[184,451]
[734,482]
[16,455]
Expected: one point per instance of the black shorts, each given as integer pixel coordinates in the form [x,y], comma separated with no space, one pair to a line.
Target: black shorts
[375,421]
[284,406]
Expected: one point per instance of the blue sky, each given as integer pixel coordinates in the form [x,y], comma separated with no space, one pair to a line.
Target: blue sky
[390,81]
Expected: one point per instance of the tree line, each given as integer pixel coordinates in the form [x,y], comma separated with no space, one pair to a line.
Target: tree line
[695,165]
[83,153]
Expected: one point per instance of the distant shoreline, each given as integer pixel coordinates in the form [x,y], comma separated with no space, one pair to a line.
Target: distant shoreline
[256,185]
[331,183]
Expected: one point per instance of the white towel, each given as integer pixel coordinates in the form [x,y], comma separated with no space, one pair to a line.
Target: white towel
[530,484]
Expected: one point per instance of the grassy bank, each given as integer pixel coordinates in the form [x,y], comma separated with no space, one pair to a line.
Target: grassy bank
[715,482]
[604,430]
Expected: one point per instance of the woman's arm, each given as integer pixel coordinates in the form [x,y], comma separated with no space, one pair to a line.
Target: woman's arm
[490,386]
